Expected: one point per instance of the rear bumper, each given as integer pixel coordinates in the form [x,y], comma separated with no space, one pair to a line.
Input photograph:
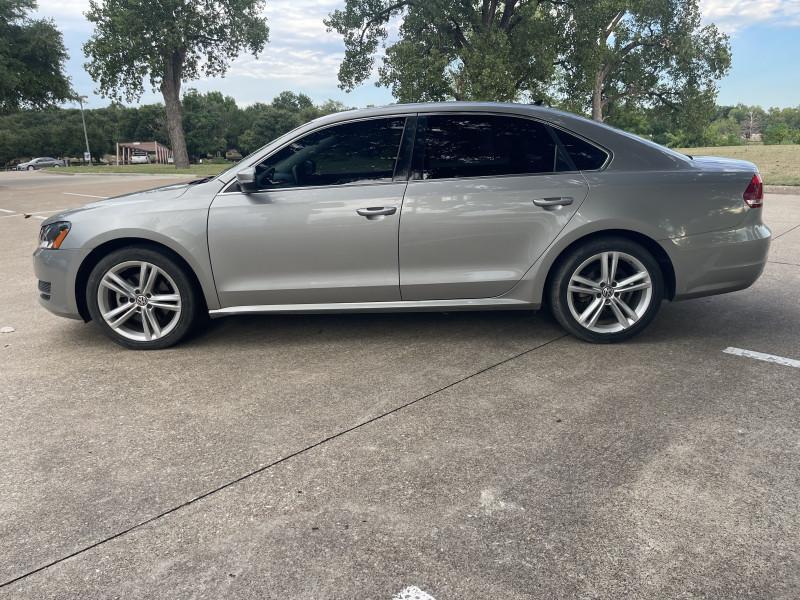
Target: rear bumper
[718,262]
[58,268]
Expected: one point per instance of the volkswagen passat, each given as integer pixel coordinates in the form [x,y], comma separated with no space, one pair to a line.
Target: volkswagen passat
[416,207]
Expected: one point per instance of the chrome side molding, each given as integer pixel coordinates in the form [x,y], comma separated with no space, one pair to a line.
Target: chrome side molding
[399,305]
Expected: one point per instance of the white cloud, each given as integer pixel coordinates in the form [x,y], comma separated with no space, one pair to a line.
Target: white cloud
[304,66]
[733,15]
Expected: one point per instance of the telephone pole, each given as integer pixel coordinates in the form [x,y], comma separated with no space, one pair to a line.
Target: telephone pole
[88,155]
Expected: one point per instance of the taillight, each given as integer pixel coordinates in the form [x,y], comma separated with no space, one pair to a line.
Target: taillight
[754,194]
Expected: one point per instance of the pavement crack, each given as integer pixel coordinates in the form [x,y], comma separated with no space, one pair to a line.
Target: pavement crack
[785,232]
[254,472]
[780,262]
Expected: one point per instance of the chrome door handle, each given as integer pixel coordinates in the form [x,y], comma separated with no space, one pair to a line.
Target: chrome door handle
[376,211]
[557,201]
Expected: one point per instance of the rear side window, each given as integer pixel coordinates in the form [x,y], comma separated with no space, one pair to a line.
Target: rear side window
[349,153]
[483,146]
[586,156]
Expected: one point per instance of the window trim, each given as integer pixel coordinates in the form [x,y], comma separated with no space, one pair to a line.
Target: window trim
[416,166]
[232,186]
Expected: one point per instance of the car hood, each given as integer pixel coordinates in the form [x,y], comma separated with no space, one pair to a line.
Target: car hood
[719,163]
[159,194]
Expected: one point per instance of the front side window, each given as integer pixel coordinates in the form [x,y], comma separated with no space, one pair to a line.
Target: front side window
[485,145]
[349,153]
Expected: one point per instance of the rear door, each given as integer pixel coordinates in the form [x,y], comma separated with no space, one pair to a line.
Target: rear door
[488,194]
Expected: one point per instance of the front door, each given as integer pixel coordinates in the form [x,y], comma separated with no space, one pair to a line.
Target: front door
[488,195]
[323,226]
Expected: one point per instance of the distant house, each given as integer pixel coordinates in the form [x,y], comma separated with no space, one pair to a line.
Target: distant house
[131,153]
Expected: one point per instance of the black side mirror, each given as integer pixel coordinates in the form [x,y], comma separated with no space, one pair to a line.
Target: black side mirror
[246,178]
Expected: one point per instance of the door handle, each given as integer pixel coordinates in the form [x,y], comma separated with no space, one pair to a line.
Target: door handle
[557,201]
[376,211]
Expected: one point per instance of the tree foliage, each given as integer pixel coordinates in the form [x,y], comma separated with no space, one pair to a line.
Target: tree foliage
[642,52]
[169,42]
[32,57]
[582,53]
[451,49]
[215,124]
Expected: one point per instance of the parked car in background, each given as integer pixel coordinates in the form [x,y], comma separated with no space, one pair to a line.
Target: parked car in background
[40,163]
[140,157]
[452,206]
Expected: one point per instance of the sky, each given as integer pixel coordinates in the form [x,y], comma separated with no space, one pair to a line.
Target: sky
[303,57]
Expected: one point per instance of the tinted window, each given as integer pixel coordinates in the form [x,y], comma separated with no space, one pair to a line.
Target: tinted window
[585,156]
[484,145]
[349,153]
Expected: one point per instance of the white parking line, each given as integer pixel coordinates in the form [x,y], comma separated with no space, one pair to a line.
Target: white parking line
[35,212]
[39,217]
[412,592]
[5,210]
[778,360]
[85,195]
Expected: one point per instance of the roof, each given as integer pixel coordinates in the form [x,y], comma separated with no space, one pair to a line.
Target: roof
[146,146]
[629,151]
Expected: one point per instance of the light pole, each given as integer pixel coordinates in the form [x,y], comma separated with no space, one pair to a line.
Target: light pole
[88,155]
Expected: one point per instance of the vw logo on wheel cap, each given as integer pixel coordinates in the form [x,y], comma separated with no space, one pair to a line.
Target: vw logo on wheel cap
[141,300]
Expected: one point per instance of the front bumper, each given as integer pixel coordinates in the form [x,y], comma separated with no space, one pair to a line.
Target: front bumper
[718,262]
[58,268]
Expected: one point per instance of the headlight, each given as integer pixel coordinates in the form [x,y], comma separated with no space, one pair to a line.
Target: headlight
[53,235]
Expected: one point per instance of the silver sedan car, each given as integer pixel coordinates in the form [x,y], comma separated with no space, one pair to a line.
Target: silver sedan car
[40,163]
[428,207]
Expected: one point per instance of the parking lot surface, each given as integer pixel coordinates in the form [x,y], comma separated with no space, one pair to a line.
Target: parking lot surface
[462,455]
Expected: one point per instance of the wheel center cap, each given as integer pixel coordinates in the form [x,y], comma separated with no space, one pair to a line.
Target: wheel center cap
[607,292]
[141,300]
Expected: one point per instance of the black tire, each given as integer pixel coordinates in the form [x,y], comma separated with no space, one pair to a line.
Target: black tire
[190,302]
[567,265]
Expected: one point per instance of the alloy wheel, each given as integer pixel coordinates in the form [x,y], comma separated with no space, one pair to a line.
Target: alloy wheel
[139,300]
[609,292]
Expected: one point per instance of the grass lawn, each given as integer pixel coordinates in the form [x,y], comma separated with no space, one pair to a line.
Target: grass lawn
[779,165]
[147,169]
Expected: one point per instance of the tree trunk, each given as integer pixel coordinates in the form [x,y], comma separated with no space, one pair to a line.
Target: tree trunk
[597,96]
[171,90]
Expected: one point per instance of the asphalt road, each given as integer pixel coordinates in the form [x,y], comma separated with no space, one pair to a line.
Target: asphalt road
[446,456]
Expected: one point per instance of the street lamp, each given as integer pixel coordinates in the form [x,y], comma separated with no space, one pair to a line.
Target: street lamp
[87,156]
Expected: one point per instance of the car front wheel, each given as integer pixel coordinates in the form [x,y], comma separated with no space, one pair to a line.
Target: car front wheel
[607,290]
[142,298]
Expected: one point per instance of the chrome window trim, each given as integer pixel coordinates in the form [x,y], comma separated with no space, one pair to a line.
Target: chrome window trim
[312,187]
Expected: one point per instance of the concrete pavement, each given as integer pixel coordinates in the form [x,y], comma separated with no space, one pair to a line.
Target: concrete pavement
[469,455]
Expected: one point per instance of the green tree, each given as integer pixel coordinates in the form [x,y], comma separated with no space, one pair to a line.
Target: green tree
[212,123]
[778,133]
[32,57]
[169,42]
[646,52]
[452,49]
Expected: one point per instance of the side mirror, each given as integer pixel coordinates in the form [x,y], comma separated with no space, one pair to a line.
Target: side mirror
[246,178]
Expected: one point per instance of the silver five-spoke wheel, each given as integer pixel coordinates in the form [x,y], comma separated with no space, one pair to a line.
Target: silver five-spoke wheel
[609,292]
[139,300]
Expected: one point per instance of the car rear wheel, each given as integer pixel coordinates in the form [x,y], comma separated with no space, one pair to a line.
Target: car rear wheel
[607,290]
[142,299]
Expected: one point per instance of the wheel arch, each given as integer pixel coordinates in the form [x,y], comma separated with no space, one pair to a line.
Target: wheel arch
[652,246]
[104,249]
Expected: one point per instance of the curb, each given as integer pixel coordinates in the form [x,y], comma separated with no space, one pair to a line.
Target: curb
[782,189]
